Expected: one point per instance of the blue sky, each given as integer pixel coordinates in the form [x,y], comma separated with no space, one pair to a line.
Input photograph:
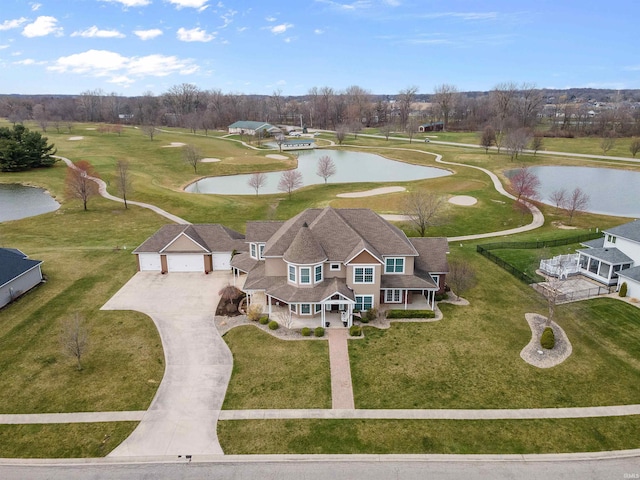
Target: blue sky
[134,46]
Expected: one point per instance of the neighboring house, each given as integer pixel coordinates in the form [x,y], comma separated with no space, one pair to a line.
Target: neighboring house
[339,260]
[302,144]
[614,258]
[18,274]
[189,248]
[246,127]
[431,127]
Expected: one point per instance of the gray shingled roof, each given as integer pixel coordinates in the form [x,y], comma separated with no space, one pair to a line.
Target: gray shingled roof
[433,254]
[597,243]
[243,262]
[305,249]
[260,232]
[251,125]
[629,230]
[608,255]
[282,291]
[631,273]
[213,237]
[14,263]
[407,281]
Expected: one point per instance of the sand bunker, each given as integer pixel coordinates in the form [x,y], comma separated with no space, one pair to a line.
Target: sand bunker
[371,193]
[209,160]
[276,157]
[395,218]
[90,128]
[463,200]
[75,138]
[174,144]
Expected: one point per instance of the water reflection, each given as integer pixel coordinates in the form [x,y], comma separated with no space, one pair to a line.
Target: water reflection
[19,201]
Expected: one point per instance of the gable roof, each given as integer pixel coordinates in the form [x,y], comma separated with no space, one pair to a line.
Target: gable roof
[630,231]
[14,263]
[212,237]
[261,231]
[341,234]
[251,125]
[630,273]
[433,254]
[608,255]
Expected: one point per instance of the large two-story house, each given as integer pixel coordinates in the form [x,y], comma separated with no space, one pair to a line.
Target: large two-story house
[614,258]
[339,260]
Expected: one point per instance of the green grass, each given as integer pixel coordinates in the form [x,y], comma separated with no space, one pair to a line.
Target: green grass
[74,440]
[428,436]
[273,373]
[527,260]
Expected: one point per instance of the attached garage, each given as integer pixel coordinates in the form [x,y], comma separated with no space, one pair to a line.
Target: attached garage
[185,262]
[222,261]
[149,262]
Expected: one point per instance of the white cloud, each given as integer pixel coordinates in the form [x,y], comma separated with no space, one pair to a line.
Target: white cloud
[194,35]
[2,47]
[468,16]
[120,69]
[42,27]
[35,7]
[148,34]
[198,4]
[279,29]
[95,32]
[28,61]
[9,24]
[271,19]
[130,3]
[318,31]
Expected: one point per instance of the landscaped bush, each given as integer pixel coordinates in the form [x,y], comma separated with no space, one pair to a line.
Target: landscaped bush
[441,296]
[306,331]
[273,325]
[264,320]
[547,340]
[411,314]
[254,313]
[623,289]
[319,332]
[370,315]
[355,330]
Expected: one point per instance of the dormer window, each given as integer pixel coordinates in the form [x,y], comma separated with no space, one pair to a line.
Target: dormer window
[254,253]
[394,265]
[261,251]
[611,238]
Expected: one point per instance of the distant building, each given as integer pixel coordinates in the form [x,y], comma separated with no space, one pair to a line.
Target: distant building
[431,127]
[299,144]
[247,127]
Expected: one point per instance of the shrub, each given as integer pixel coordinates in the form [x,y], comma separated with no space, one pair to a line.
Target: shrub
[319,332]
[306,331]
[547,340]
[273,325]
[623,289]
[441,296]
[264,320]
[355,330]
[411,314]
[370,315]
[254,313]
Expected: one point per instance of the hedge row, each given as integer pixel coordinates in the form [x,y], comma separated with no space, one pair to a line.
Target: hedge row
[411,314]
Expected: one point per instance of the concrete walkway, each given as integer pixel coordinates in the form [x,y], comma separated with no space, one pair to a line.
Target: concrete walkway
[76,417]
[182,417]
[435,414]
[341,387]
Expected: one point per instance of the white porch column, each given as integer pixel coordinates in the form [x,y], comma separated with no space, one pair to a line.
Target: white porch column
[406,297]
[269,303]
[350,312]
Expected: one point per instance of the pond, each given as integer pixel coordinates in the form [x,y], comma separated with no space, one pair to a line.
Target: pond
[19,201]
[351,167]
[611,191]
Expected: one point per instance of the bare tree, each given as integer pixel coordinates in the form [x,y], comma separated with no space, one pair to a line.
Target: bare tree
[445,97]
[386,130]
[341,133]
[40,115]
[461,276]
[405,99]
[607,142]
[290,180]
[577,201]
[123,179]
[423,210]
[78,183]
[257,180]
[412,128]
[536,143]
[326,167]
[525,184]
[516,141]
[503,98]
[280,139]
[74,338]
[191,156]
[149,130]
[558,197]
[488,138]
[635,146]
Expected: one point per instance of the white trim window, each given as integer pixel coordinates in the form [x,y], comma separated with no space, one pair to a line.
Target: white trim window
[363,302]
[305,309]
[305,275]
[363,274]
[317,307]
[334,267]
[260,251]
[394,265]
[436,279]
[317,274]
[292,273]
[293,307]
[393,295]
[253,251]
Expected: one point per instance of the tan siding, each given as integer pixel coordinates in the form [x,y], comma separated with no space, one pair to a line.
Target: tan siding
[328,273]
[275,267]
[184,244]
[408,265]
[364,257]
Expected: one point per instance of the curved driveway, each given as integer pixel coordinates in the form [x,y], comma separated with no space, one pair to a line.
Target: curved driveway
[183,415]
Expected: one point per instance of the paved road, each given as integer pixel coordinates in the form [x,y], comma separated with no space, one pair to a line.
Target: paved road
[183,415]
[349,467]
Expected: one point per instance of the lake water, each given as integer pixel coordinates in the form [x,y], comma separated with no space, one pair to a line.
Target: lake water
[351,167]
[19,201]
[611,191]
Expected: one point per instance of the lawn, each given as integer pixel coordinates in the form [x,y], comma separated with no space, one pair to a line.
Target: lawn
[307,437]
[273,373]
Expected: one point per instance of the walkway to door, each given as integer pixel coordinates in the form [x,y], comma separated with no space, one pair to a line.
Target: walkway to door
[341,387]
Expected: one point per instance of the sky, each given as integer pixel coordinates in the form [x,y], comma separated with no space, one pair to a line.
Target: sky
[133,47]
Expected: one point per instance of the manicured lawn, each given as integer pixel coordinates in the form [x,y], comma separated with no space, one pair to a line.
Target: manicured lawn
[74,440]
[273,373]
[471,359]
[428,436]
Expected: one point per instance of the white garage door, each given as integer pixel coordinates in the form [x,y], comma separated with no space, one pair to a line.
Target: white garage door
[221,261]
[149,262]
[185,263]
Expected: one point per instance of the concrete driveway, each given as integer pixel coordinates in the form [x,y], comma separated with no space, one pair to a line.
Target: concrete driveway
[182,418]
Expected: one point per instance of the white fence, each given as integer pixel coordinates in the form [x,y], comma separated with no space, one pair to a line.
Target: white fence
[561,266]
